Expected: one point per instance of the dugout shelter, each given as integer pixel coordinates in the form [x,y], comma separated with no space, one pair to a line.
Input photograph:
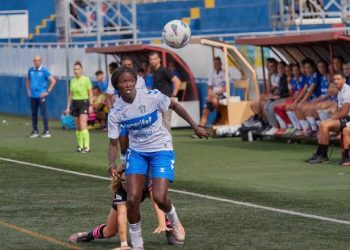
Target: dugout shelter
[234,111]
[296,47]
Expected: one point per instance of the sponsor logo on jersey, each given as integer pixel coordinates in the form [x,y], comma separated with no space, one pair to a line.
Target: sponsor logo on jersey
[141,122]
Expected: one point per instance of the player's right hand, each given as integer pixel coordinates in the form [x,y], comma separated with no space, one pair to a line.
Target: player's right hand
[201,132]
[67,111]
[161,229]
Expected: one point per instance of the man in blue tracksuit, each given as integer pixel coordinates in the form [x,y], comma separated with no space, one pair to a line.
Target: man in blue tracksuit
[39,84]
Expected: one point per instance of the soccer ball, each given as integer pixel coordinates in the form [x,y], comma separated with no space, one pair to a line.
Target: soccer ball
[176,34]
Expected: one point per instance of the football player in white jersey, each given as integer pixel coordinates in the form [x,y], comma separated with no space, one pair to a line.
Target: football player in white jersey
[150,148]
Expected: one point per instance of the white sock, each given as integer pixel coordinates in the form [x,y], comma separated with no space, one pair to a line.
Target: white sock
[136,235]
[312,122]
[294,119]
[281,122]
[318,123]
[323,115]
[304,124]
[172,216]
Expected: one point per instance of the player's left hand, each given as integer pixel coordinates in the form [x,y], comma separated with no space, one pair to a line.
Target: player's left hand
[44,94]
[161,229]
[201,132]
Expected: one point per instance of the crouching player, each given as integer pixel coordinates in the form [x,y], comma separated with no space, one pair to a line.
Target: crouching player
[117,219]
[337,122]
[150,147]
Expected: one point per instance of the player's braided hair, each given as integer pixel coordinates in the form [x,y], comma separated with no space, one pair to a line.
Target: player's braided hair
[118,183]
[118,72]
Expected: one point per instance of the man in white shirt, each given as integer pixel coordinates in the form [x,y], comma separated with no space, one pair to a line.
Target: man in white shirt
[336,123]
[140,84]
[216,90]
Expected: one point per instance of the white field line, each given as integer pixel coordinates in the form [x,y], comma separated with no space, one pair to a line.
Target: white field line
[208,197]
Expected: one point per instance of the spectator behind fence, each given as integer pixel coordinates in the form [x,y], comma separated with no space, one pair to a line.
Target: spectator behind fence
[337,122]
[101,82]
[166,82]
[38,89]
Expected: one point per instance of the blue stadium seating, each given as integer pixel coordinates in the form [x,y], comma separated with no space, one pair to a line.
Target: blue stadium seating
[227,16]
[38,9]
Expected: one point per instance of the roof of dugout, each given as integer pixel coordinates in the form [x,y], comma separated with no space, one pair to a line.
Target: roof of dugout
[140,52]
[296,47]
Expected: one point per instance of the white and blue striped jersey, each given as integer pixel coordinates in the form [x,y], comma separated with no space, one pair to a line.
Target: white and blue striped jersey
[143,121]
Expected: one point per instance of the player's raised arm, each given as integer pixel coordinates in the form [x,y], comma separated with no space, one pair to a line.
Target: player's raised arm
[200,132]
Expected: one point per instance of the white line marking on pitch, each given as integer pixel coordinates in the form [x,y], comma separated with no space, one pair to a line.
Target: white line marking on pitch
[208,197]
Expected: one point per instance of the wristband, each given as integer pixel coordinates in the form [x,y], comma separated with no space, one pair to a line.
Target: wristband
[123,158]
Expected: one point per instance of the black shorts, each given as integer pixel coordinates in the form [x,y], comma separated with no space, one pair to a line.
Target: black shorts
[210,106]
[80,107]
[343,122]
[120,197]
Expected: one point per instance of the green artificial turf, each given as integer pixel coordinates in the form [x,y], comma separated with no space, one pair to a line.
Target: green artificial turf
[266,173]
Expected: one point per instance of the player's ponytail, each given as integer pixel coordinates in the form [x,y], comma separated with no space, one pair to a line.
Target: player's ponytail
[118,72]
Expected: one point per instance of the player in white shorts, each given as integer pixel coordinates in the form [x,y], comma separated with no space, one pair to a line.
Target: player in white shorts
[150,148]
